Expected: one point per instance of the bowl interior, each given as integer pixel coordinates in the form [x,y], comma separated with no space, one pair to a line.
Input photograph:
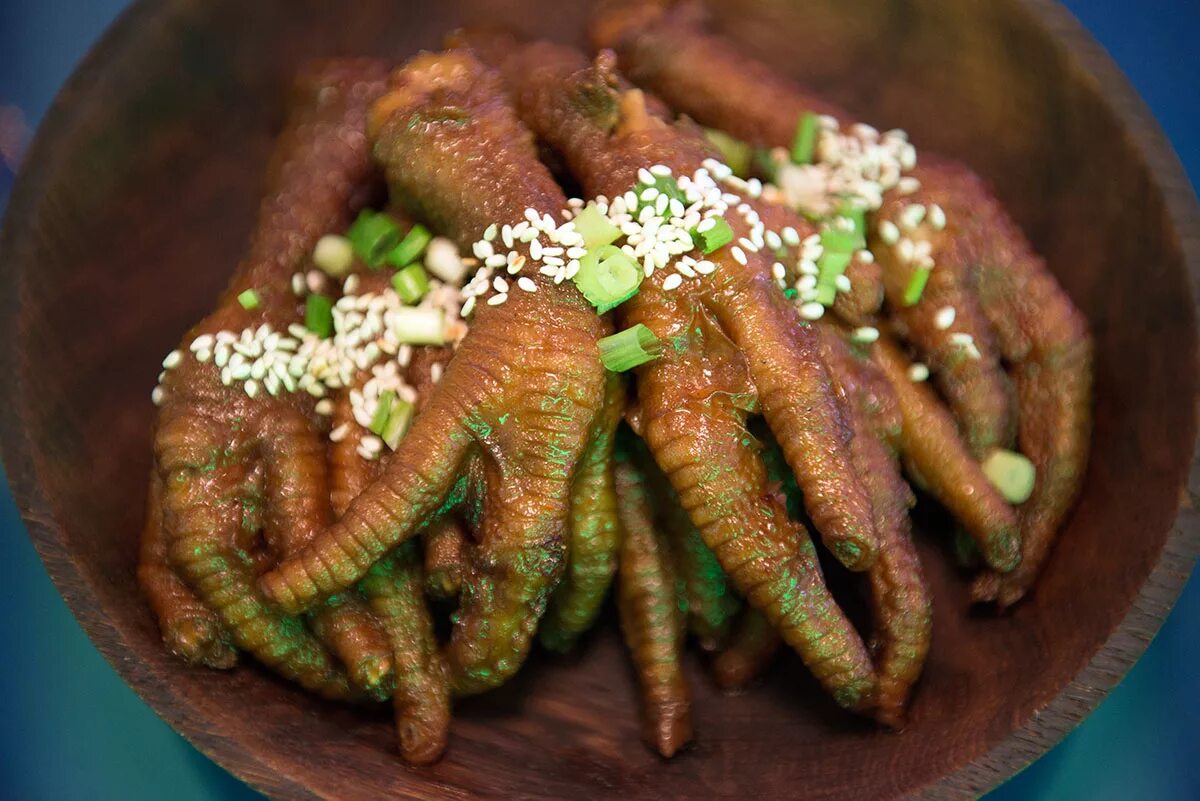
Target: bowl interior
[140,200]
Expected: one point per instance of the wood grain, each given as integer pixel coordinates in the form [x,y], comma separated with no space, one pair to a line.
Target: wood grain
[137,200]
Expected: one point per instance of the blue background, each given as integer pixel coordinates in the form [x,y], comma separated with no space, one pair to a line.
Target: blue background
[71,729]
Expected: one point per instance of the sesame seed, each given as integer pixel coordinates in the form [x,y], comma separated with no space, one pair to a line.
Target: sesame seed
[527,284]
[496,300]
[812,311]
[495,260]
[661,169]
[251,388]
[738,254]
[500,284]
[791,236]
[865,335]
[912,216]
[645,176]
[779,271]
[908,185]
[672,281]
[324,407]
[705,267]
[490,232]
[773,240]
[297,284]
[937,217]
[842,282]
[889,232]
[173,359]
[944,317]
[351,285]
[435,372]
[918,372]
[157,396]
[866,256]
[748,245]
[906,250]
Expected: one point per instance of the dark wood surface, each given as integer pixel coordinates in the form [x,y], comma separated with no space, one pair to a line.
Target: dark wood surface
[138,198]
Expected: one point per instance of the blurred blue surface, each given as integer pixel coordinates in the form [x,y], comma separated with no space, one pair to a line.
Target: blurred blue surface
[70,729]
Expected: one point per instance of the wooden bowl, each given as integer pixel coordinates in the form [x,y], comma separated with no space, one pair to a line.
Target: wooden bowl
[137,200]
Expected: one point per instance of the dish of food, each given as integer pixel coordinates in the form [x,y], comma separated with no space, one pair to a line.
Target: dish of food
[371,417]
[524,326]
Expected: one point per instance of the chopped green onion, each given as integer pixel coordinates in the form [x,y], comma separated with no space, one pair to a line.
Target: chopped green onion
[372,235]
[411,284]
[916,286]
[766,164]
[608,277]
[736,154]
[380,418]
[1011,473]
[397,423]
[718,235]
[410,248]
[318,315]
[417,326]
[834,241]
[790,292]
[629,348]
[595,228]
[829,267]
[334,255]
[249,300]
[805,141]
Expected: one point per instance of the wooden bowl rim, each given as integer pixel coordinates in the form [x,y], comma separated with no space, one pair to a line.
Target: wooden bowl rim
[1015,751]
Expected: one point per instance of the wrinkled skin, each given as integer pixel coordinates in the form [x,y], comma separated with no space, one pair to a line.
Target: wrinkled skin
[651,620]
[521,393]
[1002,293]
[240,482]
[732,345]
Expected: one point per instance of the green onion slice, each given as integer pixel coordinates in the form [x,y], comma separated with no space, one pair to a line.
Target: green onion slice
[916,286]
[249,300]
[318,315]
[410,248]
[372,235]
[608,277]
[595,228]
[829,267]
[1011,473]
[629,348]
[411,284]
[380,419]
[736,154]
[719,235]
[834,241]
[417,326]
[804,143]
[397,423]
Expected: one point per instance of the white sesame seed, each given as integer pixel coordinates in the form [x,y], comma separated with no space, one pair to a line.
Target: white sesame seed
[706,225]
[912,215]
[738,254]
[812,311]
[252,388]
[527,284]
[672,281]
[937,217]
[157,396]
[489,233]
[944,317]
[791,236]
[661,169]
[705,267]
[298,284]
[808,267]
[435,372]
[645,176]
[866,256]
[172,360]
[842,282]
[351,285]
[908,185]
[496,300]
[500,284]
[779,271]
[889,232]
[918,372]
[865,335]
[774,241]
[315,281]
[748,245]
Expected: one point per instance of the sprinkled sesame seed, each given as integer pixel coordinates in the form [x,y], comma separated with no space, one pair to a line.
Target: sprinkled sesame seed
[324,407]
[500,284]
[672,281]
[496,300]
[351,285]
[436,370]
[645,176]
[706,225]
[297,284]
[865,335]
[527,284]
[906,250]
[889,232]
[748,245]
[705,267]
[157,396]
[251,388]
[944,317]
[791,236]
[842,282]
[907,185]
[866,256]
[661,169]
[779,271]
[490,232]
[937,217]
[173,359]
[918,372]
[812,311]
[912,215]
[738,254]
[773,240]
